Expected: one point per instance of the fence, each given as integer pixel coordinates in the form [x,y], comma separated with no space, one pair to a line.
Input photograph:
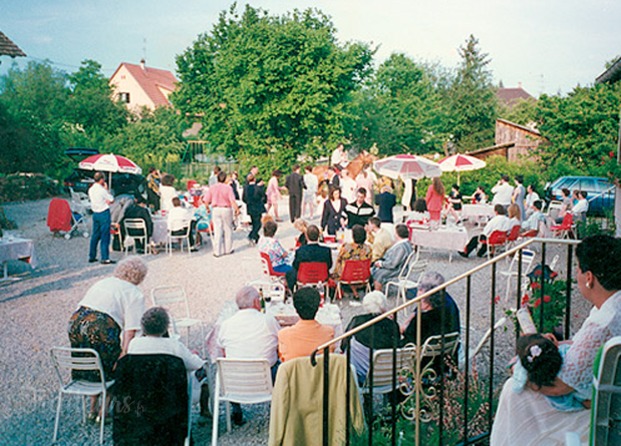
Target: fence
[468,393]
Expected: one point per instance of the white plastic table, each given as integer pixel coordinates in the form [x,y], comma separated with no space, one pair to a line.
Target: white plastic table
[16,248]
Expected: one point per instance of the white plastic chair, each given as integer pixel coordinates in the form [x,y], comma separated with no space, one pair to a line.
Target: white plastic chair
[382,368]
[139,228]
[554,208]
[243,381]
[80,202]
[63,358]
[174,299]
[185,235]
[528,257]
[413,268]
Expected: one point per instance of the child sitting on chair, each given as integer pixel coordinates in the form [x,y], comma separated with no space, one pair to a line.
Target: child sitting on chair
[540,361]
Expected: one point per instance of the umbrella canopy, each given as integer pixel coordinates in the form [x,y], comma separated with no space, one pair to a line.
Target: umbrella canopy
[407,167]
[110,163]
[461,163]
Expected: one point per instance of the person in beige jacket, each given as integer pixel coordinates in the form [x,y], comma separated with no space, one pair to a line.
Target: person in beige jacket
[382,240]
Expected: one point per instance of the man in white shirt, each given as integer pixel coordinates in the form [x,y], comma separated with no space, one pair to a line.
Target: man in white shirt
[339,157]
[581,207]
[536,217]
[179,219]
[348,186]
[249,334]
[499,223]
[503,192]
[100,199]
[310,193]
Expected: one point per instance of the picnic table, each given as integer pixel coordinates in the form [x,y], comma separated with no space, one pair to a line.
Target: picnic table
[451,238]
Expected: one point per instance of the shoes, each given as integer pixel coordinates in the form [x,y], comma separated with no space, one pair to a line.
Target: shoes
[108,419]
[92,417]
[108,262]
[238,418]
[216,255]
[92,260]
[463,254]
[194,249]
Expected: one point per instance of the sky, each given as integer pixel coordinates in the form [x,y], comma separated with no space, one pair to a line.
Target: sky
[547,46]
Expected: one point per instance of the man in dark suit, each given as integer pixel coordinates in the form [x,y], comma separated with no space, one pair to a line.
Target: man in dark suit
[138,210]
[311,252]
[295,183]
[254,197]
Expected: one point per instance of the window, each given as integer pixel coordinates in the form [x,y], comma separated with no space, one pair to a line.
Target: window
[124,97]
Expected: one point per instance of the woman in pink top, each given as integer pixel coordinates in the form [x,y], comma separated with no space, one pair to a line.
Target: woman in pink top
[273,193]
[435,199]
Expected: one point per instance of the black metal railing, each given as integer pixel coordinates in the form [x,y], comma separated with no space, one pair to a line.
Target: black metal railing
[480,381]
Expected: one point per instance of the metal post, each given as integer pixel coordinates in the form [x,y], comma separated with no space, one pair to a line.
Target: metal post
[467,354]
[326,396]
[491,349]
[570,251]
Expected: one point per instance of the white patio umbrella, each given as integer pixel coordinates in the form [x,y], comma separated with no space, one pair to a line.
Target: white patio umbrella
[110,163]
[461,163]
[407,167]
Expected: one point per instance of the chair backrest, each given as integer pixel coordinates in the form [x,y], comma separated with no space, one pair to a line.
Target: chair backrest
[173,298]
[329,238]
[312,272]
[266,262]
[244,380]
[83,359]
[606,406]
[416,270]
[145,410]
[135,224]
[527,260]
[405,269]
[382,366]
[433,346]
[514,233]
[356,271]
[568,220]
[554,207]
[497,238]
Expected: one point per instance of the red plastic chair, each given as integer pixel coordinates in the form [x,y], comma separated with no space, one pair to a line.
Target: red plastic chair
[496,239]
[565,229]
[312,273]
[355,272]
[514,234]
[329,238]
[268,269]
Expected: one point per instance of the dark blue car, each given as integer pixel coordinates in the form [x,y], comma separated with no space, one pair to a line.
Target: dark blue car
[600,192]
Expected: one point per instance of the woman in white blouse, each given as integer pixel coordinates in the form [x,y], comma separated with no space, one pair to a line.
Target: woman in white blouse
[527,418]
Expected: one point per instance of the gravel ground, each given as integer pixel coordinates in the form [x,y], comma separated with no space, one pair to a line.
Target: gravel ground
[35,310]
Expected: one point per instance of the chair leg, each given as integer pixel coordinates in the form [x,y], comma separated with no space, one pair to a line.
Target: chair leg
[227,406]
[104,409]
[56,422]
[216,412]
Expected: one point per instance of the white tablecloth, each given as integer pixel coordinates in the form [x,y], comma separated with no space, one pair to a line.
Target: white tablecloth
[160,230]
[15,248]
[450,238]
[477,210]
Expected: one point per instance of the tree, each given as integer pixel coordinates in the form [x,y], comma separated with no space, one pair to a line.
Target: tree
[472,99]
[268,86]
[400,110]
[581,128]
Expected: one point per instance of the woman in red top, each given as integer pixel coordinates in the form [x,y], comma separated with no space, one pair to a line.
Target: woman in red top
[435,199]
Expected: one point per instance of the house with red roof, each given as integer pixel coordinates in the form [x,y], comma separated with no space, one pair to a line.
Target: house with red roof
[511,96]
[141,86]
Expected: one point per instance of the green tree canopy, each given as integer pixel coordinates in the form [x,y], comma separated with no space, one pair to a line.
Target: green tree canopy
[264,83]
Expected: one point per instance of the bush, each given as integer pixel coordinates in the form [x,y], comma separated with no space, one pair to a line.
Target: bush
[27,186]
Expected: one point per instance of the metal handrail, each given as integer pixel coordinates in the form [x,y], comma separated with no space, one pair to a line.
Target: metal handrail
[446,284]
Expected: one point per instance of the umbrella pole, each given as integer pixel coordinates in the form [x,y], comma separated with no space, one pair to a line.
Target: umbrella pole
[458,179]
[109,181]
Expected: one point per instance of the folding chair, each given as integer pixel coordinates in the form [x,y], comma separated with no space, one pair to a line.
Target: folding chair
[312,274]
[382,369]
[174,299]
[135,230]
[79,359]
[527,260]
[408,277]
[243,381]
[554,208]
[355,273]
[80,201]
[514,234]
[565,229]
[496,240]
[181,235]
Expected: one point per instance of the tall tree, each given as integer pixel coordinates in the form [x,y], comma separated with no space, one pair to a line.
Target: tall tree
[270,86]
[473,99]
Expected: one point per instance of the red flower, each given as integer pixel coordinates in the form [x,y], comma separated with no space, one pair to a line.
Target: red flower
[525,299]
[496,299]
[553,274]
[537,273]
[535,285]
[611,154]
[547,298]
[537,303]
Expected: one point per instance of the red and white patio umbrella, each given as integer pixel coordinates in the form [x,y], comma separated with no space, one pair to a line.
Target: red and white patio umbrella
[407,167]
[461,163]
[110,163]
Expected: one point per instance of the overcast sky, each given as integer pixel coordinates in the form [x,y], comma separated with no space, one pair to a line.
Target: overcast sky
[549,46]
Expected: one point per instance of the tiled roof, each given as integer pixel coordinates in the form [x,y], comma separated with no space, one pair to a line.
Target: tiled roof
[509,96]
[8,48]
[151,80]
[612,74]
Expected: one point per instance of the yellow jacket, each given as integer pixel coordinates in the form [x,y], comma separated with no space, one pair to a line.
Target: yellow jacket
[297,403]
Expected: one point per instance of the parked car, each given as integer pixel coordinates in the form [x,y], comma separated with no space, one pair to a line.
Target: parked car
[600,192]
[80,180]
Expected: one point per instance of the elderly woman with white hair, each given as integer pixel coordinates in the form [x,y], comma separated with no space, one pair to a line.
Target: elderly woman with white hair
[385,334]
[112,306]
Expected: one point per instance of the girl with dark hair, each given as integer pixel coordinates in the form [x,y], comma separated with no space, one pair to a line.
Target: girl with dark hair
[334,216]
